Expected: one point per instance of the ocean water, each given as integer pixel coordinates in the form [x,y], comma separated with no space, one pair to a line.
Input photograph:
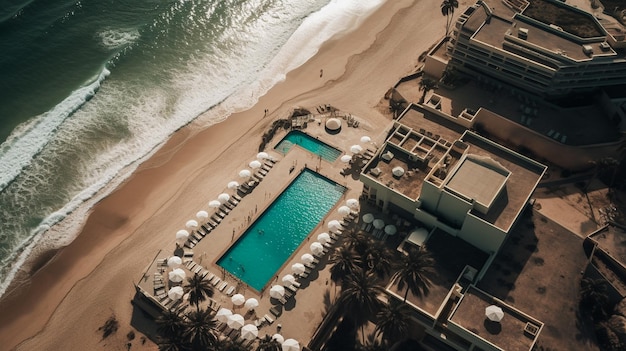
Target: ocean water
[89,89]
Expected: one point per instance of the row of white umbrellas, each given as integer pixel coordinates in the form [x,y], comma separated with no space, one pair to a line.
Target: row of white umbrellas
[378,223]
[356,149]
[182,235]
[250,331]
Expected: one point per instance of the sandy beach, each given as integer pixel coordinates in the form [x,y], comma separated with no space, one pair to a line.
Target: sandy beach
[86,282]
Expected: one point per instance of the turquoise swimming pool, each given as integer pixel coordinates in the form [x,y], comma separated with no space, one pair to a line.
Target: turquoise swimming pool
[276,234]
[309,143]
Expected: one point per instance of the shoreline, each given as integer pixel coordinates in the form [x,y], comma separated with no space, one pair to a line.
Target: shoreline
[128,226]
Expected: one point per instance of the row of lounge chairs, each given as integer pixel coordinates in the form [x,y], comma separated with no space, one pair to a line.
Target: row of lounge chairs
[213,221]
[213,279]
[256,177]
[291,290]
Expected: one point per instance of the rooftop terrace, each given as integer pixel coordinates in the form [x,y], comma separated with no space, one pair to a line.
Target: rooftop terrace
[508,334]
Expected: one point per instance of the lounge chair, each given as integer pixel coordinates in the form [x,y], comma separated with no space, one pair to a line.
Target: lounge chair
[237,197]
[269,319]
[222,286]
[230,290]
[275,311]
[216,281]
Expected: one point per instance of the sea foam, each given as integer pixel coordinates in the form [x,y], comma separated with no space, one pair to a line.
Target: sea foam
[228,80]
[28,140]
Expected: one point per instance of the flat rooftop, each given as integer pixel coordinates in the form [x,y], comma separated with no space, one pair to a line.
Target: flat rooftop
[501,30]
[485,191]
[508,334]
[525,175]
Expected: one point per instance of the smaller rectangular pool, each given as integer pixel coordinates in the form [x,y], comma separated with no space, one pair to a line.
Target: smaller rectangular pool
[309,143]
[276,234]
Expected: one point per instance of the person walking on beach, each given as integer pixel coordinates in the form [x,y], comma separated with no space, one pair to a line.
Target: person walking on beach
[321,73]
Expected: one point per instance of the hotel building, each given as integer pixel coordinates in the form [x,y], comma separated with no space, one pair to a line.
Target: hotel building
[468,192]
[512,41]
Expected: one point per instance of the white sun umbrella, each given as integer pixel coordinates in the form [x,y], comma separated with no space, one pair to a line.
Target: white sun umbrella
[182,235]
[249,332]
[365,139]
[334,224]
[356,149]
[346,158]
[278,338]
[175,293]
[343,210]
[174,262]
[245,173]
[391,229]
[262,156]
[177,275]
[235,321]
[233,185]
[397,171]
[307,258]
[289,279]
[323,238]
[368,218]
[291,345]
[223,314]
[298,268]
[223,197]
[379,223]
[352,203]
[254,164]
[192,223]
[238,299]
[317,248]
[202,214]
[214,204]
[277,291]
[251,303]
[494,313]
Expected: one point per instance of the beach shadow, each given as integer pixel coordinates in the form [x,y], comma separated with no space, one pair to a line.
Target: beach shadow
[492,327]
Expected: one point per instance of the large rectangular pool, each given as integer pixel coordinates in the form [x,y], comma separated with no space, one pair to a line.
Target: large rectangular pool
[313,145]
[276,234]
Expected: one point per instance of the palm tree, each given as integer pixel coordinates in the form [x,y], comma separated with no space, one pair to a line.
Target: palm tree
[170,328]
[359,242]
[359,298]
[169,345]
[594,297]
[199,290]
[379,259]
[447,9]
[413,271]
[345,262]
[394,321]
[200,329]
[426,85]
[268,343]
[372,344]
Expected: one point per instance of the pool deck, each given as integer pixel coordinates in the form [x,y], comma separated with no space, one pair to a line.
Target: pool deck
[299,316]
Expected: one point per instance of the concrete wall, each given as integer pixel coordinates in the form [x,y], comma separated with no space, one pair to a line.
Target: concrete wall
[481,234]
[453,209]
[573,158]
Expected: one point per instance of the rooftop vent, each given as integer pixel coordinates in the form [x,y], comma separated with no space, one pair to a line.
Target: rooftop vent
[588,50]
[522,33]
[605,46]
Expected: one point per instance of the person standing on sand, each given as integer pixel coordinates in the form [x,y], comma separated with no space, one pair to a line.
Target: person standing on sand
[321,73]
